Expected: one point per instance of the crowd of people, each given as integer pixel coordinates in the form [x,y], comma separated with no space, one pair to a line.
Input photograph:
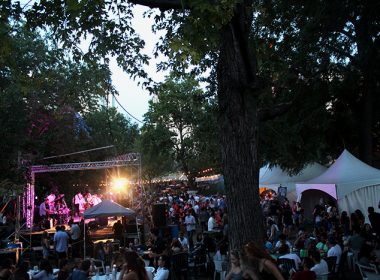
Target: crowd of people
[316,246]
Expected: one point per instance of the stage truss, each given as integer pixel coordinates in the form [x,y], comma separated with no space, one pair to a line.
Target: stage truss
[131,159]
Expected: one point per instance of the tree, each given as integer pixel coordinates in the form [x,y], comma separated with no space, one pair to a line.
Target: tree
[180,109]
[155,146]
[329,49]
[42,94]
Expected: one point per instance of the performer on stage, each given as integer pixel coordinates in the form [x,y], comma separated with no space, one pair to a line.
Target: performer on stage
[78,203]
[51,200]
[96,199]
[43,209]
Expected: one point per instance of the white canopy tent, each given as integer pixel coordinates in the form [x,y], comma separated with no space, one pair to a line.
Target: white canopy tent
[106,208]
[274,177]
[354,184]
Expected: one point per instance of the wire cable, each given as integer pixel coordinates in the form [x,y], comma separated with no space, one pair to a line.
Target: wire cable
[132,116]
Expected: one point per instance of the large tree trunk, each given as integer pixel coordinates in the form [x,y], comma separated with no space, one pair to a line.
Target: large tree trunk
[238,124]
[367,65]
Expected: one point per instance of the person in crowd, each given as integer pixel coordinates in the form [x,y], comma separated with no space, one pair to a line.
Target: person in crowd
[203,218]
[118,231]
[21,272]
[82,273]
[75,234]
[274,231]
[235,273]
[184,241]
[287,218]
[46,271]
[64,270]
[334,250]
[100,251]
[374,219]
[7,269]
[306,273]
[320,265]
[61,242]
[157,245]
[282,239]
[133,268]
[190,228]
[118,260]
[247,267]
[162,273]
[345,223]
[300,242]
[176,246]
[45,243]
[322,244]
[355,241]
[211,224]
[262,262]
[360,216]
[284,252]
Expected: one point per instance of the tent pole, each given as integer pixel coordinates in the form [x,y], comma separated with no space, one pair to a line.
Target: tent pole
[84,238]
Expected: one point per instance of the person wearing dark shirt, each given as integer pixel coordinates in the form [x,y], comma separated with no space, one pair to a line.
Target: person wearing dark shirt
[118,232]
[305,274]
[82,273]
[64,270]
[374,218]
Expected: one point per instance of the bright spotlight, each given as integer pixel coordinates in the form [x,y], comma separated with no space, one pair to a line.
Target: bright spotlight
[119,183]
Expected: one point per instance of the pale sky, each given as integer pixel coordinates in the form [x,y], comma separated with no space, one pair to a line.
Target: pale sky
[131,96]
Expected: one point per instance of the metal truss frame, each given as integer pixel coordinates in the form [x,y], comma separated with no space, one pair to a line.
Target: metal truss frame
[131,159]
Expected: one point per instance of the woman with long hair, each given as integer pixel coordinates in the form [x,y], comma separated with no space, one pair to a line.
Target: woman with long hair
[236,273]
[133,268]
[262,263]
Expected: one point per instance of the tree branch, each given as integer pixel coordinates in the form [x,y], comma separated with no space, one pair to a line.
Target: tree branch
[162,4]
[266,114]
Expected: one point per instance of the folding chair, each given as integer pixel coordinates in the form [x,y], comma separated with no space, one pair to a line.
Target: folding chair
[368,272]
[180,265]
[286,265]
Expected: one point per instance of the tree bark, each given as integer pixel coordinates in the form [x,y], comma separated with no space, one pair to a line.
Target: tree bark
[238,124]
[367,66]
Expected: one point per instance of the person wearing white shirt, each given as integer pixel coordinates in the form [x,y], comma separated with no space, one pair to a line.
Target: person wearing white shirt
[211,224]
[184,241]
[282,240]
[320,265]
[162,273]
[285,254]
[190,228]
[334,250]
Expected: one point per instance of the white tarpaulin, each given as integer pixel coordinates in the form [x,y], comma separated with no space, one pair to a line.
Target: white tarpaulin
[352,182]
[108,208]
[273,177]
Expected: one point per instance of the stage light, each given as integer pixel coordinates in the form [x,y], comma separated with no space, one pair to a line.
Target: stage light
[119,183]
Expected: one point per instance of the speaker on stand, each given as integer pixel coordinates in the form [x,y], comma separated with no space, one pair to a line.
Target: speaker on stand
[158,215]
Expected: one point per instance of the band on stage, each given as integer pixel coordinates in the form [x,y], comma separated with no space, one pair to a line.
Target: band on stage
[54,209]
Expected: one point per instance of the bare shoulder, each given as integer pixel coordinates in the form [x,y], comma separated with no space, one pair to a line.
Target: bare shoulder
[131,276]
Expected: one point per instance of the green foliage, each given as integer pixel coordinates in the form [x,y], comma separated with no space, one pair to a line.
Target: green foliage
[189,121]
[109,127]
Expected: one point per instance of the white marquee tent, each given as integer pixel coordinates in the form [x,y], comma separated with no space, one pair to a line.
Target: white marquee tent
[272,178]
[354,184]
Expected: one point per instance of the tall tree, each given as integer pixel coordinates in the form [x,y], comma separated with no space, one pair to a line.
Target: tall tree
[203,30]
[180,108]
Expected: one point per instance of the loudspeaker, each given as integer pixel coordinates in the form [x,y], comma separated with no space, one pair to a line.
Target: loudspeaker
[158,213]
